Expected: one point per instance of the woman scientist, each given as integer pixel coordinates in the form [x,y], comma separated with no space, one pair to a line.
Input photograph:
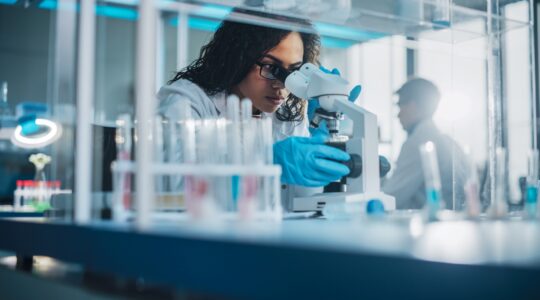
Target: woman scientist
[240,59]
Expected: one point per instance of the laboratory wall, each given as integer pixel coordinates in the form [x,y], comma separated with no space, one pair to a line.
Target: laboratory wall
[25,49]
[25,44]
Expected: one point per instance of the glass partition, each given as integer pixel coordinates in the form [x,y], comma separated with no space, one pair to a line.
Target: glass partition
[378,44]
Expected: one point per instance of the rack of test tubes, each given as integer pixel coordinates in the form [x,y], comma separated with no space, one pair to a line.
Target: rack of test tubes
[499,207]
[214,169]
[36,195]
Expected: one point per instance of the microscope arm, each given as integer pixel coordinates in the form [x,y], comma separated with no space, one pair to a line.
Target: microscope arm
[364,141]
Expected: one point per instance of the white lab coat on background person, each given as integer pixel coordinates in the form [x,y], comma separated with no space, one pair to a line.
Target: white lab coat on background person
[407,182]
[213,106]
[418,101]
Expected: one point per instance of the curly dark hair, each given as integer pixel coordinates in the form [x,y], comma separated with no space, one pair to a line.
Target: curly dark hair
[227,59]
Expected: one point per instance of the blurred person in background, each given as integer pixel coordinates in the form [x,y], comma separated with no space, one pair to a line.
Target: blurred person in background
[418,101]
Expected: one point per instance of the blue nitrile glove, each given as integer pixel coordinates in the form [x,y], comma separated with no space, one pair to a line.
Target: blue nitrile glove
[313,104]
[308,162]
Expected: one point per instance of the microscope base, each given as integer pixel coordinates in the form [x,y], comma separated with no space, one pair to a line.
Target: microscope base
[318,201]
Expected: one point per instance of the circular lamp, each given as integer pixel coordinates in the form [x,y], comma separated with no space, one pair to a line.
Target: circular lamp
[48,133]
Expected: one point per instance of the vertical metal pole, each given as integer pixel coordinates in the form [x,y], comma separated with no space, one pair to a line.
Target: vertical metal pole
[160,52]
[494,99]
[145,105]
[182,40]
[412,60]
[85,98]
[533,39]
[61,95]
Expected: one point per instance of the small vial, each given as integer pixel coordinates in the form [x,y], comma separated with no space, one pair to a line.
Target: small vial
[29,192]
[17,195]
[57,186]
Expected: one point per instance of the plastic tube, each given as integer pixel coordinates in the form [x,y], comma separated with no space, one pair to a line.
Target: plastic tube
[235,149]
[499,207]
[246,204]
[432,179]
[471,188]
[532,185]
[157,138]
[174,153]
[267,187]
[122,184]
[221,184]
[18,195]
[233,114]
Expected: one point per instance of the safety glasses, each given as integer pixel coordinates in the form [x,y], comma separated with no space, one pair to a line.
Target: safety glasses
[273,71]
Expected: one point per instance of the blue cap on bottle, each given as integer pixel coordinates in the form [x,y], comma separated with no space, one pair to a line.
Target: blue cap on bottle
[375,207]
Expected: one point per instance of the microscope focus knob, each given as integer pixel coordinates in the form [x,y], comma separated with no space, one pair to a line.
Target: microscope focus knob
[355,165]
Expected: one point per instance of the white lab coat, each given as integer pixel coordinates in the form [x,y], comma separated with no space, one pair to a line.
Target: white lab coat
[212,106]
[407,181]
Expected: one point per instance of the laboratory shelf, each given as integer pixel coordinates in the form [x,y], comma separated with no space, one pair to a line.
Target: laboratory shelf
[20,214]
[7,211]
[301,257]
[360,20]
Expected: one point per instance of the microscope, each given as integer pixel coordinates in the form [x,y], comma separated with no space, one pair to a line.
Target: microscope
[363,182]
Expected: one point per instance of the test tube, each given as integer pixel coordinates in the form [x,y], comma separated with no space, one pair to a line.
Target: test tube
[471,188]
[221,184]
[123,196]
[208,155]
[499,207]
[246,204]
[268,160]
[193,188]
[234,147]
[173,152]
[26,192]
[188,133]
[432,179]
[18,195]
[532,184]
[157,142]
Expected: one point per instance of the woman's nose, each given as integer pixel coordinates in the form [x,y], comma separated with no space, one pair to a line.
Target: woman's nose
[277,84]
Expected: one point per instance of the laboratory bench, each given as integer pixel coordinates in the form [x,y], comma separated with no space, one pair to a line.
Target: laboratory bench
[395,257]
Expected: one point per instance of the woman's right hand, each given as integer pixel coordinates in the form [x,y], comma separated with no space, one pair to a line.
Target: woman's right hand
[309,162]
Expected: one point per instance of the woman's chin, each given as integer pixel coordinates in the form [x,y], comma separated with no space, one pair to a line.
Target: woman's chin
[268,108]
